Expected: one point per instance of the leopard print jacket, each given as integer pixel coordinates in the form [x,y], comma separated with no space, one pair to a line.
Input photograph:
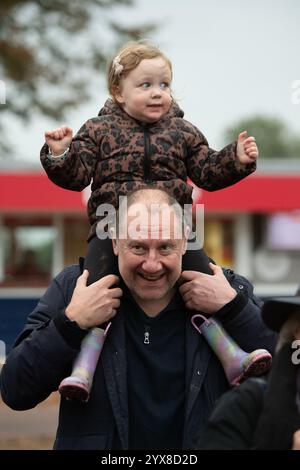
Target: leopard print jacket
[119,154]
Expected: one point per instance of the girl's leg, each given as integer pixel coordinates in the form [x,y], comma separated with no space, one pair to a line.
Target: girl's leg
[100,261]
[196,260]
[238,365]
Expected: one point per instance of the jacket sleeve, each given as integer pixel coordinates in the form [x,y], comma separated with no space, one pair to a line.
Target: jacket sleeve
[41,356]
[74,170]
[233,420]
[242,320]
[212,170]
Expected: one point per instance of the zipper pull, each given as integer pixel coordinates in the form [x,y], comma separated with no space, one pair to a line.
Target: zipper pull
[146,337]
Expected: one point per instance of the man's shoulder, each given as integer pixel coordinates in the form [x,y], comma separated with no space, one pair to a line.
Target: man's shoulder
[68,275]
[71,270]
[239,282]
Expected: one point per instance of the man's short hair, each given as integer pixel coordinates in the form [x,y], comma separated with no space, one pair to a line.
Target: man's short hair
[154,199]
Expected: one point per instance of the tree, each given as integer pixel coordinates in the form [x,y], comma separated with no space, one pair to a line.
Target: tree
[273,137]
[48,60]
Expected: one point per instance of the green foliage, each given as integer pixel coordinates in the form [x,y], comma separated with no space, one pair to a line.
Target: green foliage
[51,50]
[273,138]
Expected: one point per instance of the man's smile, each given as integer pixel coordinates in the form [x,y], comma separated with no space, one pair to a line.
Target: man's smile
[151,277]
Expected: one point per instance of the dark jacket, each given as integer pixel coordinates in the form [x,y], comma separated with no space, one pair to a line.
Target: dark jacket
[120,154]
[261,414]
[43,355]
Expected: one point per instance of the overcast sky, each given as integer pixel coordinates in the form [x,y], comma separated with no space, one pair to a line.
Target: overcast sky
[231,59]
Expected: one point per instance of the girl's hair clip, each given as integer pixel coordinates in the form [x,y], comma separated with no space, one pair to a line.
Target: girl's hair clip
[117,66]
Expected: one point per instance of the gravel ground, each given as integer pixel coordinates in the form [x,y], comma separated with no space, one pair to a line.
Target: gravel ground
[29,430]
[26,443]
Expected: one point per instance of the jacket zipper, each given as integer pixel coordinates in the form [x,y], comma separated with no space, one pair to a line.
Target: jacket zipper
[147,335]
[147,156]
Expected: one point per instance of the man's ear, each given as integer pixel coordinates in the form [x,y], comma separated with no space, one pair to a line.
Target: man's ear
[187,231]
[297,332]
[115,246]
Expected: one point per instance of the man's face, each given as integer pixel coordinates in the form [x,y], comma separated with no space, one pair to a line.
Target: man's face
[150,264]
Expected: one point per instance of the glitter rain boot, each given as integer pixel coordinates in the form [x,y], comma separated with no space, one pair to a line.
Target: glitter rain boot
[79,384]
[238,365]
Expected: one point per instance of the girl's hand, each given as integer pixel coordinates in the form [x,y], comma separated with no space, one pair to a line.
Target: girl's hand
[247,151]
[59,139]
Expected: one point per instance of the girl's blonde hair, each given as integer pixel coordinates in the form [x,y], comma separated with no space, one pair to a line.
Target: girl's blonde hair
[128,58]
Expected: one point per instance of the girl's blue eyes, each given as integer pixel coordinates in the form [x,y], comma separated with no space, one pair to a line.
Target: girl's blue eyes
[163,85]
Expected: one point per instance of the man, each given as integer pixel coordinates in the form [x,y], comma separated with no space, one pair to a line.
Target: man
[157,379]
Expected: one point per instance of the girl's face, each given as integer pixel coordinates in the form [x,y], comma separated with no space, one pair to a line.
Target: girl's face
[145,93]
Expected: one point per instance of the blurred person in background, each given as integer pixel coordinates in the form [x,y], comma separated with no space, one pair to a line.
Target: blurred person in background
[264,413]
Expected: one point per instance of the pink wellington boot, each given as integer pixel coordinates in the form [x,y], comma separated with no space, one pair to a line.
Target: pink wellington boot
[238,365]
[79,384]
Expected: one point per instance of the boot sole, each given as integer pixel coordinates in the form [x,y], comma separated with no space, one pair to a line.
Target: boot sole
[74,389]
[258,366]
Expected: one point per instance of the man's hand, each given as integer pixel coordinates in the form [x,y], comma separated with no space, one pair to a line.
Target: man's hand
[59,139]
[247,151]
[94,304]
[204,292]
